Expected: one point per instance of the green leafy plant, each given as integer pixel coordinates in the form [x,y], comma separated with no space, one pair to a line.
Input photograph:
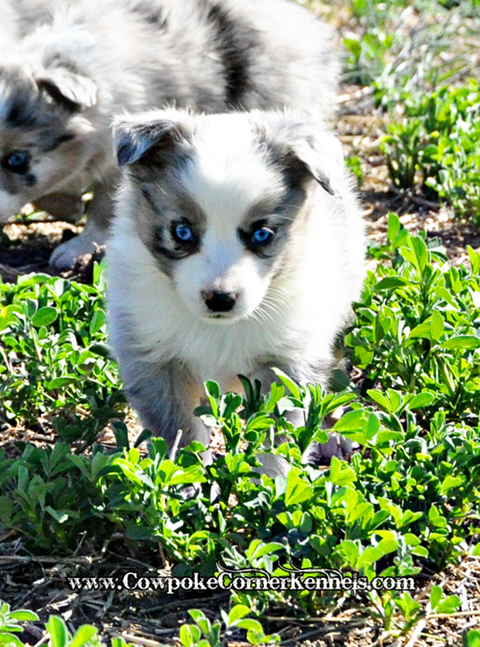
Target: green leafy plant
[85,636]
[206,634]
[9,624]
[434,144]
[53,356]
[49,496]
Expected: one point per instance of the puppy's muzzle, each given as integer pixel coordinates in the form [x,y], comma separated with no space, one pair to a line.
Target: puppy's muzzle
[219,302]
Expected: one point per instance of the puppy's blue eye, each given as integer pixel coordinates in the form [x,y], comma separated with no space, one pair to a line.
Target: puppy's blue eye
[183,233]
[17,161]
[263,236]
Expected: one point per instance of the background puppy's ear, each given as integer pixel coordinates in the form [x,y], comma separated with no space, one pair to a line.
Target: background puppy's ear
[147,143]
[70,90]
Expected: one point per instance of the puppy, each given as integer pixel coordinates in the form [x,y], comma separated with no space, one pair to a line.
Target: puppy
[237,246]
[60,86]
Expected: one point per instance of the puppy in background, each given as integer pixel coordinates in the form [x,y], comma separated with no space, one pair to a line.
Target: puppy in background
[19,17]
[237,246]
[60,86]
[9,27]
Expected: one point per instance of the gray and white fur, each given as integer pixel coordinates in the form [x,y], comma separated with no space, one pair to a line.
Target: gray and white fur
[61,85]
[20,17]
[237,246]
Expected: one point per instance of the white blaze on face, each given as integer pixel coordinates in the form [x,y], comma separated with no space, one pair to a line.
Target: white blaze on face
[226,178]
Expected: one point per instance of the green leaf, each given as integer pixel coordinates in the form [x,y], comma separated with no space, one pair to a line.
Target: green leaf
[435,517]
[474,259]
[60,382]
[83,635]
[362,357]
[298,490]
[190,635]
[407,605]
[472,639]
[351,421]
[289,383]
[451,482]
[449,605]
[250,624]
[238,612]
[393,227]
[462,342]
[432,328]
[23,615]
[57,629]
[44,316]
[391,282]
[438,325]
[421,400]
[436,594]
[380,399]
[202,621]
[416,253]
[58,515]
[97,322]
[9,640]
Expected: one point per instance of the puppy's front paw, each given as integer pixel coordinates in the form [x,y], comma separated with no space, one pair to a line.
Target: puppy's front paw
[64,257]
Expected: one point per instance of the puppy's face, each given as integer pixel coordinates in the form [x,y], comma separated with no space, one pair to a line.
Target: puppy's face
[42,138]
[217,203]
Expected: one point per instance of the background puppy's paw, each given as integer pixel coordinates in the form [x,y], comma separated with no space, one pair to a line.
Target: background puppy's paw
[63,206]
[273,465]
[321,453]
[64,257]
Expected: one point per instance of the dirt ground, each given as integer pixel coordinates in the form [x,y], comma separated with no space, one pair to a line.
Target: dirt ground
[39,583]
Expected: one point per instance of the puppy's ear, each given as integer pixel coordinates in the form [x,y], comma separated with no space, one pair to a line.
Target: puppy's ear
[146,143]
[68,89]
[321,156]
[303,150]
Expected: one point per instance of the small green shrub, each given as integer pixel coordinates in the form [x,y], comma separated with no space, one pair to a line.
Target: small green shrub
[54,362]
[434,145]
[49,497]
[10,624]
[207,634]
[85,636]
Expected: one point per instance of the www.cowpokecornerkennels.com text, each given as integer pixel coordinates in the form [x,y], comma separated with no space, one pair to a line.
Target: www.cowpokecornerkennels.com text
[245,580]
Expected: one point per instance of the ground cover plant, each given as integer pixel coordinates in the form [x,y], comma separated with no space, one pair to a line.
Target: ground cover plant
[80,498]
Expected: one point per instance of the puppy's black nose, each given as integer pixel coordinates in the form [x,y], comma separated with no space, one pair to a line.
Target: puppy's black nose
[219,301]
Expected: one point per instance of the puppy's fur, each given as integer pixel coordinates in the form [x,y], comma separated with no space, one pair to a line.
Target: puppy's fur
[238,245]
[60,86]
[20,17]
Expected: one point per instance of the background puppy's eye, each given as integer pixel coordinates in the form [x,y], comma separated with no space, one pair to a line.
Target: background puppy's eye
[263,236]
[182,233]
[17,162]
